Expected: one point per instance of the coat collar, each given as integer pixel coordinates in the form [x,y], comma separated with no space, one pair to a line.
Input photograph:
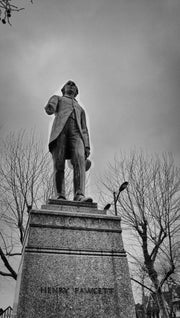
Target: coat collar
[70,97]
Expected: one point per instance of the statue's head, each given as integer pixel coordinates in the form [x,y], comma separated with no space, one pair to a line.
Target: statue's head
[70,85]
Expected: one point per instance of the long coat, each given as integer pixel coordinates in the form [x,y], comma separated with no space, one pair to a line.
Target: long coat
[62,107]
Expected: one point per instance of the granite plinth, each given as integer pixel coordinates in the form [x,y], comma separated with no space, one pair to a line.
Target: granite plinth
[73,265]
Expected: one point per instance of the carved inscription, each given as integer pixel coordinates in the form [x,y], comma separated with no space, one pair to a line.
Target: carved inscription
[88,290]
[54,290]
[77,290]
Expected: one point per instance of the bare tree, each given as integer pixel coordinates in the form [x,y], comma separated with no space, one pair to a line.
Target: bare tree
[149,208]
[24,168]
[6,10]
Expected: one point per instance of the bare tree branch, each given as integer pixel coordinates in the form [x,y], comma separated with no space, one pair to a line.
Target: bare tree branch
[6,10]
[7,265]
[136,281]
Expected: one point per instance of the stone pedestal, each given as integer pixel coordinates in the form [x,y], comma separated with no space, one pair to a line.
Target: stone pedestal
[73,265]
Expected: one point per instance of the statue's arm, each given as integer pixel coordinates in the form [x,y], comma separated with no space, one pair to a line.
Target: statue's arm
[52,105]
[85,131]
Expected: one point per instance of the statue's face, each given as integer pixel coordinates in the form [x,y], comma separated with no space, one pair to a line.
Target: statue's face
[70,88]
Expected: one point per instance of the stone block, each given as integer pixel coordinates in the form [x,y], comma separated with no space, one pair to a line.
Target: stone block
[73,265]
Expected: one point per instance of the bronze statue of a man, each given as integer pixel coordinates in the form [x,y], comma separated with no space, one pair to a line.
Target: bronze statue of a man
[69,139]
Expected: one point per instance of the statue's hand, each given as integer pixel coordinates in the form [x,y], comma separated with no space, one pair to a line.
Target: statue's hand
[49,109]
[87,152]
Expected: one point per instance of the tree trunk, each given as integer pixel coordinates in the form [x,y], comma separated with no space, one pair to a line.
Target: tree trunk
[162,305]
[159,295]
[154,277]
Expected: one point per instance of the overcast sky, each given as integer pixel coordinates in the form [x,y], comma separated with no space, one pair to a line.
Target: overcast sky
[124,55]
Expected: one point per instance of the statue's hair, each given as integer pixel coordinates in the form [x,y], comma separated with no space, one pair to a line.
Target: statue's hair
[63,89]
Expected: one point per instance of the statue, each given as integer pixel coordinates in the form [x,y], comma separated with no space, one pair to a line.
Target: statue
[69,139]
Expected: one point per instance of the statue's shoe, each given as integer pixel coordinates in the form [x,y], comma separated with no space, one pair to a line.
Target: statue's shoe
[82,198]
[61,197]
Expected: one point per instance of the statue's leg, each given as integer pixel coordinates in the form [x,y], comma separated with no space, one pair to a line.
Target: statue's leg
[78,161]
[58,154]
[77,152]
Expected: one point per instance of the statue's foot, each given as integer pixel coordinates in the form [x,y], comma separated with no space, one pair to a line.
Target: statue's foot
[61,197]
[82,198]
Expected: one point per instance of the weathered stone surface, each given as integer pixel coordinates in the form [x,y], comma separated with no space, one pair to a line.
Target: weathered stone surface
[73,265]
[76,204]
[72,206]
